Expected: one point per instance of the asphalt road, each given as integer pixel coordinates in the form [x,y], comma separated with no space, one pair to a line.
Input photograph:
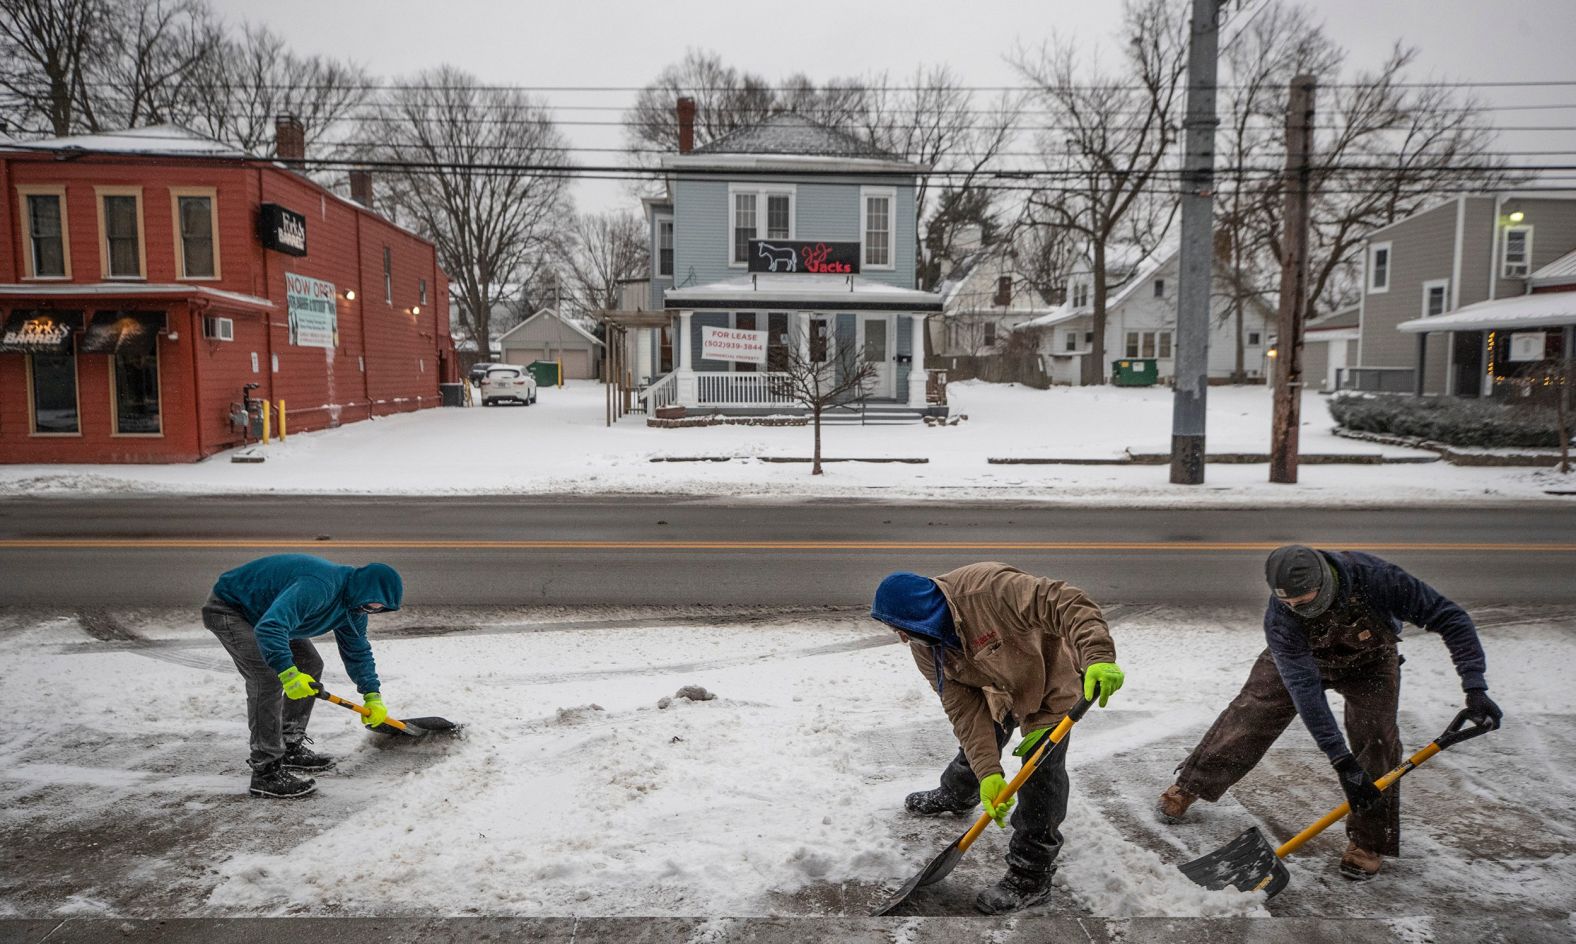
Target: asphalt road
[139,551]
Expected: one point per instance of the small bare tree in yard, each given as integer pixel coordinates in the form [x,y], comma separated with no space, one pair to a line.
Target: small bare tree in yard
[824,376]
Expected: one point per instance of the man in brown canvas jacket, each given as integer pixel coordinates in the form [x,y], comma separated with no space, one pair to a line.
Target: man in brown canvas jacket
[1003,650]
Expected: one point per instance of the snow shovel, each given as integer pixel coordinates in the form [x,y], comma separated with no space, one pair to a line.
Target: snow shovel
[1249,863]
[943,864]
[411,727]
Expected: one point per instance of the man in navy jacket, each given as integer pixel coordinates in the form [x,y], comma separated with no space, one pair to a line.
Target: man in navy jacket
[266,613]
[1333,622]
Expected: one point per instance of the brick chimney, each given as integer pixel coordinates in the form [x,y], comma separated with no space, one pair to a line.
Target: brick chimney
[361,187]
[686,125]
[289,139]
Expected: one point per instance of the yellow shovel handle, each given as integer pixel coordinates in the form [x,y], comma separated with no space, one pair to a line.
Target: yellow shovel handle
[358,709]
[1051,740]
[1383,783]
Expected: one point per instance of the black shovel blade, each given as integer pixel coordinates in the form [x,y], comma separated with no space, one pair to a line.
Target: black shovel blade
[1247,863]
[421,727]
[938,869]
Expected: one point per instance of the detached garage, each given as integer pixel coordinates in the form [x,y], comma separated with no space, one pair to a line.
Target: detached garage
[546,337]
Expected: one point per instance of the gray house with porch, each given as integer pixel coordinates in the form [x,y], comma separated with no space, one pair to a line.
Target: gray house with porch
[794,237]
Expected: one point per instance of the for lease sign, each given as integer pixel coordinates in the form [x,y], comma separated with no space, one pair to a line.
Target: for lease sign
[733,344]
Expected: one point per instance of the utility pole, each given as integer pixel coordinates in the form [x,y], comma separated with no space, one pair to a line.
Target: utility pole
[1198,247]
[1293,284]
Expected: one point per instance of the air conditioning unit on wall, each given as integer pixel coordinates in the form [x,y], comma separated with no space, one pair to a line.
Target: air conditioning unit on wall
[218,329]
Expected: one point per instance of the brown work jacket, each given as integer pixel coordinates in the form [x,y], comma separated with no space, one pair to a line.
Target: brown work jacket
[1026,642]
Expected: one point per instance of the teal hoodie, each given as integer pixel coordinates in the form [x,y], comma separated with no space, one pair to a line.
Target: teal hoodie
[295,596]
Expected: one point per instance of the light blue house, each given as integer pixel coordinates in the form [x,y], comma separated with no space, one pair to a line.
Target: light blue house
[779,190]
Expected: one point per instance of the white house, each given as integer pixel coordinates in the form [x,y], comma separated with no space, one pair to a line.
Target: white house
[1140,322]
[983,299]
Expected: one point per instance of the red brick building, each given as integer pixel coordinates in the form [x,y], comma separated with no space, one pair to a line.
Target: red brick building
[146,276]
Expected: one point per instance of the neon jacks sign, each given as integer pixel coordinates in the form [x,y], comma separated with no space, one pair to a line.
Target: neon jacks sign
[797,256]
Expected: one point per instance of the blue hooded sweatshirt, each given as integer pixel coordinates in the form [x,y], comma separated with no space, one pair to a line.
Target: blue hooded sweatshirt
[296,596]
[916,605]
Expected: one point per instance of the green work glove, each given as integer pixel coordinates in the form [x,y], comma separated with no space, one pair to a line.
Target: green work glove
[1029,741]
[990,789]
[1107,676]
[297,684]
[376,712]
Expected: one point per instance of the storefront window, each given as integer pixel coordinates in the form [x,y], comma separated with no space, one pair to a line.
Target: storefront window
[137,392]
[196,215]
[54,378]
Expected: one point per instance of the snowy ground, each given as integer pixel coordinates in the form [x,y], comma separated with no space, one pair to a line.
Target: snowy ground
[122,778]
[561,446]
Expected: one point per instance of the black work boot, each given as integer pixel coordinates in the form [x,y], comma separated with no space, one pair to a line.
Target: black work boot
[276,782]
[1016,891]
[298,757]
[938,801]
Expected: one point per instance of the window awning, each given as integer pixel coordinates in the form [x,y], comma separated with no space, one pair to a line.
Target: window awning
[39,331]
[122,332]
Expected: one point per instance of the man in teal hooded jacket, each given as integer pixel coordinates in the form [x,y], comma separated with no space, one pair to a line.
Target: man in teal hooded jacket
[265,613]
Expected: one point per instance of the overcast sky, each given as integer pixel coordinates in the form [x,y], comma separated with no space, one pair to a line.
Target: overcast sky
[606,43]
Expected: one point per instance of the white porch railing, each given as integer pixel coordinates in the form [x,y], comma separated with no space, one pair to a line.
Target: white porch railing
[661,393]
[751,389]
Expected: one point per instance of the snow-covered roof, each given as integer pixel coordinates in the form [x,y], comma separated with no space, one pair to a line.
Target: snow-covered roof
[65,290]
[1561,271]
[765,290]
[570,322]
[153,139]
[1540,310]
[1056,316]
[790,133]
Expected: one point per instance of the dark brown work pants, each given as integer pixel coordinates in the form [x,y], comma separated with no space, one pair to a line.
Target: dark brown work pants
[1263,709]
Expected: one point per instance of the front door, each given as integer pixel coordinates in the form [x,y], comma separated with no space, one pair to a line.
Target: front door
[1467,356]
[875,345]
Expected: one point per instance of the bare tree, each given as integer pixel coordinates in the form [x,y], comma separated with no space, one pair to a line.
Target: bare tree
[47,49]
[602,250]
[823,375]
[1113,136]
[934,121]
[467,185]
[158,51]
[725,99]
[255,78]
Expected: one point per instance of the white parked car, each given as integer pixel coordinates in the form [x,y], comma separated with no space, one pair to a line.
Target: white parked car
[508,383]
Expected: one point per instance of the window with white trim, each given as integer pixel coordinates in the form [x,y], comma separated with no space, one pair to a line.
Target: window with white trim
[1080,294]
[388,275]
[1378,268]
[756,212]
[44,224]
[1254,339]
[665,245]
[120,223]
[1148,344]
[1436,297]
[1160,288]
[990,334]
[875,226]
[1071,341]
[196,229]
[1516,252]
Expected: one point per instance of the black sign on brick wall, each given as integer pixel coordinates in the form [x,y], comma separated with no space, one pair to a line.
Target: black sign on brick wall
[813,256]
[282,230]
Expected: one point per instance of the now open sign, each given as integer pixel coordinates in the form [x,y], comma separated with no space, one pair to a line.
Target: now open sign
[732,344]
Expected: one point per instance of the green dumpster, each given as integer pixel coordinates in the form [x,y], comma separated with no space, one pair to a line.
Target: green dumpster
[545,372]
[1135,372]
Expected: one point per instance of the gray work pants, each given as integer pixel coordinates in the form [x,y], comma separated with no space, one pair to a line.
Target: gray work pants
[273,719]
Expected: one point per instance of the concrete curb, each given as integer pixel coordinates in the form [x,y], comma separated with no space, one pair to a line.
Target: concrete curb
[1527,460]
[1228,458]
[969,930]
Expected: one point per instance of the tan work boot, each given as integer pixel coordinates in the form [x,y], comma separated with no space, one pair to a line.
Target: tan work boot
[1174,803]
[1359,864]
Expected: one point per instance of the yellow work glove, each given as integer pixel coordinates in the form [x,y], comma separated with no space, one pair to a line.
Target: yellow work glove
[297,684]
[376,713]
[991,788]
[1107,676]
